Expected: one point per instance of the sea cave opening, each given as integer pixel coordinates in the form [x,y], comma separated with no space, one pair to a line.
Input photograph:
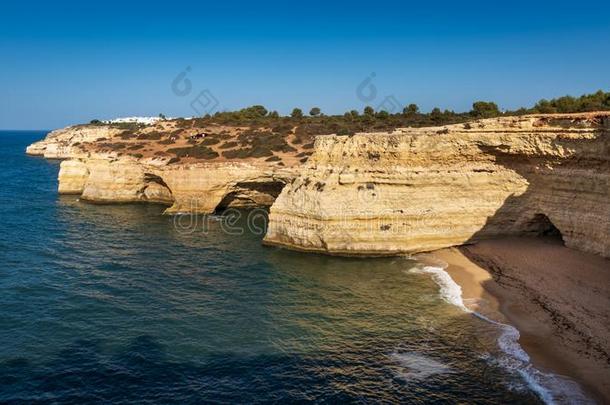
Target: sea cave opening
[251,195]
[541,225]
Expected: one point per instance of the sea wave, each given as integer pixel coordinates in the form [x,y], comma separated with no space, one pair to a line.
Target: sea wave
[551,388]
[418,367]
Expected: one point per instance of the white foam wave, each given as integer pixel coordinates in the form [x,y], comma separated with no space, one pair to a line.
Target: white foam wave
[450,291]
[419,367]
[551,388]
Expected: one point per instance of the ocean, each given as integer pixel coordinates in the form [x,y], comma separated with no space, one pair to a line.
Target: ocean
[120,303]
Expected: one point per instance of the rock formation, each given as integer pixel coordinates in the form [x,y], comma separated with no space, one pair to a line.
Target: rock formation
[104,176]
[63,143]
[408,191]
[422,189]
[200,188]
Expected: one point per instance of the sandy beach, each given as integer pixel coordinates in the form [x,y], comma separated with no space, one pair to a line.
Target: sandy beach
[558,298]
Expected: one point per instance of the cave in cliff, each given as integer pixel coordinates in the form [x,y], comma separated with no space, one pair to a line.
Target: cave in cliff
[251,195]
[541,225]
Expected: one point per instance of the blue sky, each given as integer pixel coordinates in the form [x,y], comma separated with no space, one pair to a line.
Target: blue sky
[68,62]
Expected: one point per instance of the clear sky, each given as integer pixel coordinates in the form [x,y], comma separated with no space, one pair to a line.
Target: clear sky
[68,62]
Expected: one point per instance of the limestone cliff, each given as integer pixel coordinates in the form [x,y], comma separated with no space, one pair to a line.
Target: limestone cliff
[64,143]
[408,191]
[139,163]
[422,189]
[201,188]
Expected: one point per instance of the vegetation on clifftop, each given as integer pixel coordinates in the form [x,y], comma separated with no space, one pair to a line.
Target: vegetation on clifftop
[317,123]
[255,132]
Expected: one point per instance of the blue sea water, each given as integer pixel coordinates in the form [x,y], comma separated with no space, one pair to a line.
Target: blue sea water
[103,303]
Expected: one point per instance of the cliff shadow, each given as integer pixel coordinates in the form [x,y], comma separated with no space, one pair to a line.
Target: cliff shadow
[530,213]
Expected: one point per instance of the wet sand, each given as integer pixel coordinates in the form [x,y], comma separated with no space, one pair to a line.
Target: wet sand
[558,298]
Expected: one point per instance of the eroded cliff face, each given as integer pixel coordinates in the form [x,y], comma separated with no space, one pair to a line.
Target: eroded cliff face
[63,143]
[198,188]
[99,173]
[422,189]
[408,191]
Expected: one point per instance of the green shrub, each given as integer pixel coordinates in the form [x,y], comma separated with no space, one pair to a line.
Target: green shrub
[132,126]
[209,141]
[485,109]
[182,123]
[112,146]
[260,151]
[344,131]
[411,109]
[283,128]
[236,153]
[126,135]
[228,145]
[150,136]
[199,152]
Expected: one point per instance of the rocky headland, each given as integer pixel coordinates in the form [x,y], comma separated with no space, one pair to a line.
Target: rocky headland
[406,191]
[186,166]
[417,190]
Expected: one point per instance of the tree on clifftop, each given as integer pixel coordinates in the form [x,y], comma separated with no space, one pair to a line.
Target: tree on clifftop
[296,113]
[411,109]
[256,111]
[383,114]
[484,109]
[314,111]
[436,115]
[599,101]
